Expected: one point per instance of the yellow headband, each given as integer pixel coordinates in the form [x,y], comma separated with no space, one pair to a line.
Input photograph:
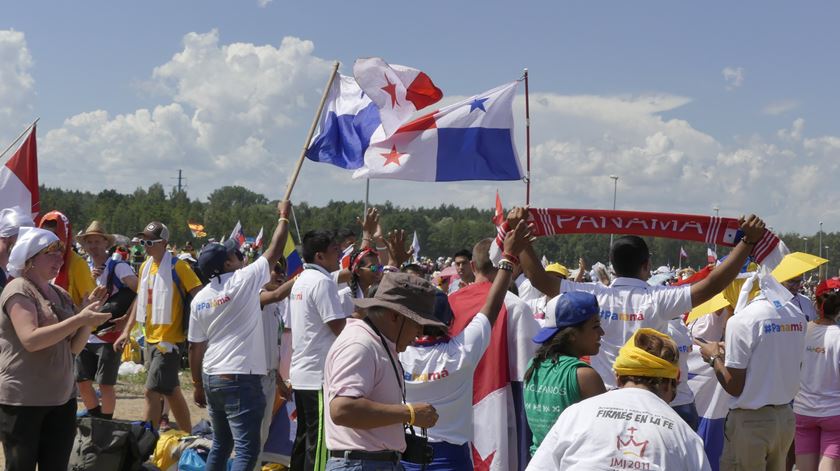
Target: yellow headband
[633,361]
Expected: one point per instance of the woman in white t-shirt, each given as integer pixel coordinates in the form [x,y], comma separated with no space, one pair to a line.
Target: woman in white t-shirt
[365,271]
[631,427]
[817,405]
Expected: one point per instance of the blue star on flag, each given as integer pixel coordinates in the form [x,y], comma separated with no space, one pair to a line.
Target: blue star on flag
[478,103]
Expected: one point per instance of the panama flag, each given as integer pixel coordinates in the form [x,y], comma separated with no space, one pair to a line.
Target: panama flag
[398,91]
[352,113]
[237,233]
[19,178]
[470,140]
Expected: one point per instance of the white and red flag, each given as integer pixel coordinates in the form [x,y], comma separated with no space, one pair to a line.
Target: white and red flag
[258,240]
[398,91]
[499,214]
[682,253]
[19,178]
[711,256]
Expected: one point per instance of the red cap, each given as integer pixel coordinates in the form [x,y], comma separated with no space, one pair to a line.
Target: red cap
[831,284]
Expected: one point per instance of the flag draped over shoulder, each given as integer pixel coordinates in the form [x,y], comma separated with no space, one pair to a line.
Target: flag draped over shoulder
[19,178]
[500,436]
[469,140]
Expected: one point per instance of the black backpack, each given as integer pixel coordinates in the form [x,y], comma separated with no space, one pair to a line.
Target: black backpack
[111,445]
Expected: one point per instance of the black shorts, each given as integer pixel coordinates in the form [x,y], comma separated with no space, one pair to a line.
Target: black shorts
[163,369]
[98,362]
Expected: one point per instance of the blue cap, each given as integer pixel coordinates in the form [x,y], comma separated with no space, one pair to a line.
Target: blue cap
[567,309]
[211,260]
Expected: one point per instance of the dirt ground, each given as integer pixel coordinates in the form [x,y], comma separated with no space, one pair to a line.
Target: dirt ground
[130,405]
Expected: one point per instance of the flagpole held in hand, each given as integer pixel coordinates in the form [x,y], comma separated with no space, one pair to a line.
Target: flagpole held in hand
[296,172]
[527,144]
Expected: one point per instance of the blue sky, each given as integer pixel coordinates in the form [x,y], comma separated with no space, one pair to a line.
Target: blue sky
[782,58]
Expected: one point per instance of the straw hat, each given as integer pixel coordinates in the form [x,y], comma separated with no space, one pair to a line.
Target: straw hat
[96,228]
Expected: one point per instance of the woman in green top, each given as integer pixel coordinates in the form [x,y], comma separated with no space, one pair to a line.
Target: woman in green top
[556,378]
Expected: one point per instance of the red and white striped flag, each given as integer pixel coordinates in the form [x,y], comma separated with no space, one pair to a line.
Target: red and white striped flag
[258,241]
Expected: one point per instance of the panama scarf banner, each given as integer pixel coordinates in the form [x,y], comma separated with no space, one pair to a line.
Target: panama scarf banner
[698,228]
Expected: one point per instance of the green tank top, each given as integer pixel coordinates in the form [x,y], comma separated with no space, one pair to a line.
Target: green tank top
[552,388]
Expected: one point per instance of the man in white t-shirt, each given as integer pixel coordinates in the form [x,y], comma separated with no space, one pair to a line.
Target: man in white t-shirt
[439,370]
[629,302]
[99,361]
[758,365]
[631,427]
[318,317]
[227,349]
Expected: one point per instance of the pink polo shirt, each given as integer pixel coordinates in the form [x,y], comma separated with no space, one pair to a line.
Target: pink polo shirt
[357,366]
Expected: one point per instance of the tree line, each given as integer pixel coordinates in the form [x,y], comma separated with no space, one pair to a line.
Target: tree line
[441,230]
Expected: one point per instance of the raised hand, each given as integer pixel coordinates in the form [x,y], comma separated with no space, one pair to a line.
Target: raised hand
[397,253]
[517,239]
[753,228]
[517,214]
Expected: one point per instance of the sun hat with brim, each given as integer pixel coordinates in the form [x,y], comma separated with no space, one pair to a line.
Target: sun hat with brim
[558,269]
[407,295]
[31,240]
[564,310]
[97,228]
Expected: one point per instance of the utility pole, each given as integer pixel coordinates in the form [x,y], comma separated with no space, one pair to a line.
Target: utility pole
[615,191]
[179,181]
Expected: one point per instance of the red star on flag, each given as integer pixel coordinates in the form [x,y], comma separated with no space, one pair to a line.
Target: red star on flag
[391,90]
[392,157]
[479,463]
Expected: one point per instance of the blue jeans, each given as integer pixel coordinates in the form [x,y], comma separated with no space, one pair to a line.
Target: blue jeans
[236,404]
[340,464]
[688,412]
[447,457]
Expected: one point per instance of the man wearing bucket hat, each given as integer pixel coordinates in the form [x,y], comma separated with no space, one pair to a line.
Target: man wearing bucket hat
[631,427]
[99,361]
[363,382]
[227,349]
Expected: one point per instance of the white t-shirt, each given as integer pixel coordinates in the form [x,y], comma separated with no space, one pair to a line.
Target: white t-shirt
[313,302]
[710,327]
[679,332]
[769,343]
[627,428]
[521,329]
[122,270]
[442,375]
[273,325]
[805,305]
[627,305]
[819,395]
[526,290]
[226,314]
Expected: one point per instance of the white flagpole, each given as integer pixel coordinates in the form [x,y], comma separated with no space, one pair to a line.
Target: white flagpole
[20,137]
[367,197]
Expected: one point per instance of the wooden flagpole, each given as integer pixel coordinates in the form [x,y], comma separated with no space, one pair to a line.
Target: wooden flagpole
[527,143]
[20,137]
[296,172]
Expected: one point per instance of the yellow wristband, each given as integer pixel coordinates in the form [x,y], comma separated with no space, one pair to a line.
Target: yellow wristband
[283,220]
[411,415]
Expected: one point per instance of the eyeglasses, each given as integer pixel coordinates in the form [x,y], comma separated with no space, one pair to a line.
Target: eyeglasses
[374,268]
[148,243]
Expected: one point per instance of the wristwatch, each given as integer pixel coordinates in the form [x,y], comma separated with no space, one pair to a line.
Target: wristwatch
[713,358]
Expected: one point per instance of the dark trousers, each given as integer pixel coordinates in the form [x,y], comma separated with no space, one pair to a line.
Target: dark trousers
[309,452]
[41,435]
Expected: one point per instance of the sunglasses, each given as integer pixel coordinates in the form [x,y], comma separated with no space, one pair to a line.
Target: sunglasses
[374,268]
[148,243]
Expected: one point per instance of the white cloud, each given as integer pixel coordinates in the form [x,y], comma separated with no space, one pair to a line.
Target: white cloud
[17,87]
[780,107]
[263,3]
[237,114]
[733,76]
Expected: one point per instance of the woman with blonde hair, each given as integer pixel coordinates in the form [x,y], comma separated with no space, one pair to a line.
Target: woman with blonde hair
[632,427]
[39,334]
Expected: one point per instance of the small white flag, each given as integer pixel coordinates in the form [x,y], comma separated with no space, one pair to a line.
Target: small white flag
[415,244]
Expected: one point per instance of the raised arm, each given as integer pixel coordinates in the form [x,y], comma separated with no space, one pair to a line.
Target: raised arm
[534,271]
[725,273]
[278,240]
[276,295]
[514,240]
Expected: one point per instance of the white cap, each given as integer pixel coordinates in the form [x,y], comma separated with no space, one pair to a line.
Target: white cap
[11,219]
[31,240]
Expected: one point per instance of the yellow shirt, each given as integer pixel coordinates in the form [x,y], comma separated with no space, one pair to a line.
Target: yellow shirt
[80,280]
[174,332]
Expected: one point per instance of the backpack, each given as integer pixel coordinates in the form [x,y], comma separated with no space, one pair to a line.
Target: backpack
[111,445]
[118,303]
[186,298]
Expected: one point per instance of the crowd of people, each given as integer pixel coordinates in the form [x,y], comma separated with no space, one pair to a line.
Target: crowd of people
[397,363]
